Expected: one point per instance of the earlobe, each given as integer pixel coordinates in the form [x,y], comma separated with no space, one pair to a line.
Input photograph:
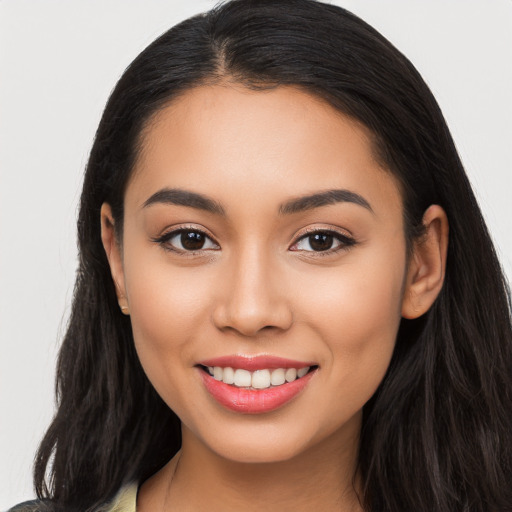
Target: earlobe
[113,252]
[427,265]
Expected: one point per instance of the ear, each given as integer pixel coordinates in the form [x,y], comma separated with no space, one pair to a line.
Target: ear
[427,265]
[113,252]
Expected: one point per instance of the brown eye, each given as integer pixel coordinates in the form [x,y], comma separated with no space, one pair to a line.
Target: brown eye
[186,240]
[192,240]
[323,241]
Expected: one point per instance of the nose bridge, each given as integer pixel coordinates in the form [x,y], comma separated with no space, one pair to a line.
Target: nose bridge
[253,299]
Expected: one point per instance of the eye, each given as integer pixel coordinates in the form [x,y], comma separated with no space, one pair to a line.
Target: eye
[323,241]
[186,240]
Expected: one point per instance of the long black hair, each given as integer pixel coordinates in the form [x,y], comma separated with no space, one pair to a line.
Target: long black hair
[437,434]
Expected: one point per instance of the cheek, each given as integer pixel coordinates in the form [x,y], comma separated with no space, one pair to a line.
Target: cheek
[167,307]
[356,314]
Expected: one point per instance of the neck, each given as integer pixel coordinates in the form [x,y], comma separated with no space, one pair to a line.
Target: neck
[321,478]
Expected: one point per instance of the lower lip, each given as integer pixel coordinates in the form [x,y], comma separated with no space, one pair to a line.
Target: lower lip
[254,401]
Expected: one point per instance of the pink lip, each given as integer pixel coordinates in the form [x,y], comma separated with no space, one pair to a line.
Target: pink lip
[254,401]
[255,363]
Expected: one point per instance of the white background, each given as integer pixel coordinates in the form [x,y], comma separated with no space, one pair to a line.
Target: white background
[58,62]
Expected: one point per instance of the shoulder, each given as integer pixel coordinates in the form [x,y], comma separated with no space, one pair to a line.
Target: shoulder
[124,501]
[30,506]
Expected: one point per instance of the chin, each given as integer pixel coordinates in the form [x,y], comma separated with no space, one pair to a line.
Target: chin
[260,453]
[268,442]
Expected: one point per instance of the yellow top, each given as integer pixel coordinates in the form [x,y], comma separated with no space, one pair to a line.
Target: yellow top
[126,499]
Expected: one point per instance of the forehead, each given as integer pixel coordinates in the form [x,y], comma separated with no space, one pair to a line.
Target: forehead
[226,139]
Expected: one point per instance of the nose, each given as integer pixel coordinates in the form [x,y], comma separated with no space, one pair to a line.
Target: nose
[254,297]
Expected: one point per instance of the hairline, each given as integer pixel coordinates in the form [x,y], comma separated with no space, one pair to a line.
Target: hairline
[222,78]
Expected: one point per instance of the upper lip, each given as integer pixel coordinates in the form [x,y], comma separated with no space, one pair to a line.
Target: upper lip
[253,363]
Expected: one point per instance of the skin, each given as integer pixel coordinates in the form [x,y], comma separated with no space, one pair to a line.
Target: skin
[259,288]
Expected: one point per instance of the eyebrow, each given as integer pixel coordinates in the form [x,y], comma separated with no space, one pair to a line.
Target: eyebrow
[182,197]
[190,199]
[326,198]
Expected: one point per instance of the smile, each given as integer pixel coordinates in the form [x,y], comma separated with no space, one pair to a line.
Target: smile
[259,379]
[255,385]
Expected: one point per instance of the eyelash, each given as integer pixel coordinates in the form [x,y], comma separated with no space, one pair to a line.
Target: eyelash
[164,240]
[345,242]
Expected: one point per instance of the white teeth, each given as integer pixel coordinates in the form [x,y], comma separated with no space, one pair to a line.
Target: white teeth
[229,375]
[259,379]
[290,375]
[302,372]
[243,378]
[277,378]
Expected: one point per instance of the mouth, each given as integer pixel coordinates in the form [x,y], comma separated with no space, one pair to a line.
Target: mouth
[259,379]
[255,385]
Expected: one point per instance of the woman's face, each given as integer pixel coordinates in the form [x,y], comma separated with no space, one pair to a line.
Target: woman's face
[261,235]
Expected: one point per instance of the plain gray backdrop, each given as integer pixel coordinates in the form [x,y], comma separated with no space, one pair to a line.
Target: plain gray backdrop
[58,62]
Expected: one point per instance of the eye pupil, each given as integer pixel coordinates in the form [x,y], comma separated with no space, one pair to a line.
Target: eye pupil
[192,240]
[321,241]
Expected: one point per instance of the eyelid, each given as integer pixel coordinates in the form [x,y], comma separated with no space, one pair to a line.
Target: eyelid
[173,231]
[335,230]
[346,240]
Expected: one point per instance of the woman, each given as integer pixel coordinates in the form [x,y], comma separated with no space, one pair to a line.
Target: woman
[277,304]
